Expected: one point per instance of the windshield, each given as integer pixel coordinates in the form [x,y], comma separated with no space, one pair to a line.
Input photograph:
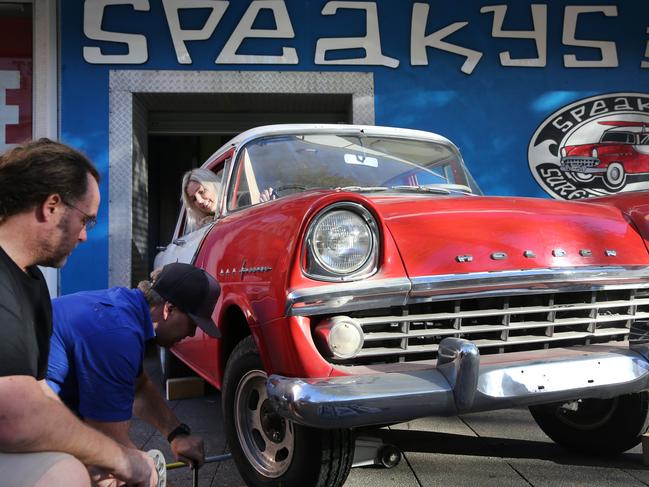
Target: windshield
[621,137]
[281,165]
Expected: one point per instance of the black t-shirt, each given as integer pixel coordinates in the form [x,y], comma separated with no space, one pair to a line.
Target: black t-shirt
[25,320]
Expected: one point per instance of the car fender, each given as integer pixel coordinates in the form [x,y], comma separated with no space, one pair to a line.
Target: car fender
[635,206]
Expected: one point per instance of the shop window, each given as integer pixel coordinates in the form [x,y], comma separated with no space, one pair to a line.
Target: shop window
[16,71]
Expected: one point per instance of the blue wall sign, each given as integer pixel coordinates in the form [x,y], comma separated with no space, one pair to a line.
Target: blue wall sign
[502,81]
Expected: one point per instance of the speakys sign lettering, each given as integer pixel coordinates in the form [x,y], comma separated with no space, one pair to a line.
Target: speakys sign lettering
[327,50]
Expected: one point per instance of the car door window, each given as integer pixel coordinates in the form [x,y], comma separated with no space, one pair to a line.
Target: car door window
[185,229]
[184,247]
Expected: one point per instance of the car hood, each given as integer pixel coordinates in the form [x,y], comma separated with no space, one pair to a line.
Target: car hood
[435,234]
[581,148]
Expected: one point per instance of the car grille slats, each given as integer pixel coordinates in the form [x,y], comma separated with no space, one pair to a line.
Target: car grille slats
[501,312]
[501,324]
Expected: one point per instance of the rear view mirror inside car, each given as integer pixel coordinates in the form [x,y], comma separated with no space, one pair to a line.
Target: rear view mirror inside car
[361,160]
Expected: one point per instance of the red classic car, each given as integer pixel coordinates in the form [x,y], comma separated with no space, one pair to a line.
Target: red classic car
[622,150]
[379,286]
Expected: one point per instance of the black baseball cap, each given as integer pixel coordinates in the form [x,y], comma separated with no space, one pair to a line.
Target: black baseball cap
[193,291]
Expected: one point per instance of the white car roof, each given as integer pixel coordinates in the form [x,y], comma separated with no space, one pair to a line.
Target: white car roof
[626,128]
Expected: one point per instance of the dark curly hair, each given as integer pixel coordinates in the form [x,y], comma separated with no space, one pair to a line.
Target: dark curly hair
[32,171]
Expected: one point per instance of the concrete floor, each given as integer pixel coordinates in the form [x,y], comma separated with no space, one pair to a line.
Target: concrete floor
[500,449]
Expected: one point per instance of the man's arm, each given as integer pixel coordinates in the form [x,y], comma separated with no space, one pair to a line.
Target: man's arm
[30,421]
[150,406]
[47,390]
[117,430]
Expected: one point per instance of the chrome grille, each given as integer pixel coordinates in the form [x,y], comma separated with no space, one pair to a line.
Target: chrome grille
[501,324]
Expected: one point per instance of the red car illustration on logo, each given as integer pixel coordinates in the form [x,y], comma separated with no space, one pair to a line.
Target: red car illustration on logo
[622,150]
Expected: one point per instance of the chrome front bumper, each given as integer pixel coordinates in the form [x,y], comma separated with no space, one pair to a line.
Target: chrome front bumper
[583,164]
[460,384]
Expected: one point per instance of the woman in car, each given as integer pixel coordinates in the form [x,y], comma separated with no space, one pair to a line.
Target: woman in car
[200,191]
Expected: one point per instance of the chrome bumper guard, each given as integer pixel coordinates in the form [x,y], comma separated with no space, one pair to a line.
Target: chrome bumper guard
[459,384]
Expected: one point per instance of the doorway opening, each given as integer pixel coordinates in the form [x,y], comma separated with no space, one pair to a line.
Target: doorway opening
[184,130]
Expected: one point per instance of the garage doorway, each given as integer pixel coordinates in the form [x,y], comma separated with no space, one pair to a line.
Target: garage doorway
[190,128]
[173,121]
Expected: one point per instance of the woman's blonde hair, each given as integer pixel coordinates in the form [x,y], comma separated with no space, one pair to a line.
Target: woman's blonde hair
[208,180]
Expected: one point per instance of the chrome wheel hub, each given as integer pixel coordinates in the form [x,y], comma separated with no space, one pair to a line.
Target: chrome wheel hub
[266,438]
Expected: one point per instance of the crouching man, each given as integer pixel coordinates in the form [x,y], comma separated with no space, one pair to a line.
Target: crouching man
[98,347]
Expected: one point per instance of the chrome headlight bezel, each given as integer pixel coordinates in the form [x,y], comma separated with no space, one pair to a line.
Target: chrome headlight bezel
[312,265]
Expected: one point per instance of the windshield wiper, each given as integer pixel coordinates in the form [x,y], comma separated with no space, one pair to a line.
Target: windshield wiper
[363,189]
[421,189]
[446,188]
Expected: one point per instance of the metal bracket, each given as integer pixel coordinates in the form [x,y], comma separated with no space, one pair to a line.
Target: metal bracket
[371,450]
[459,361]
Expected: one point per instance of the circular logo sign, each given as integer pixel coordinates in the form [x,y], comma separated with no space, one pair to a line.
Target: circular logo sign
[593,147]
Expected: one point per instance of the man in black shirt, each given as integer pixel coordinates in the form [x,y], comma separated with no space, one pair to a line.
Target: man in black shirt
[49,196]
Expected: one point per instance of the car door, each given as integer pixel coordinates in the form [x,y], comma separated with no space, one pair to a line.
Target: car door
[183,248]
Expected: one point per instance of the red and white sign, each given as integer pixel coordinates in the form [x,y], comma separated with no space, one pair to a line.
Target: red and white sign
[15,80]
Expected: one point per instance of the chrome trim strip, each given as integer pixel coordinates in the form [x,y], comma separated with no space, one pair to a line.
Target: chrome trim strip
[362,400]
[338,298]
[382,293]
[535,280]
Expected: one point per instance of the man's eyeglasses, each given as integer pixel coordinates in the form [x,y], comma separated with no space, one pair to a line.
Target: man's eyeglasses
[88,220]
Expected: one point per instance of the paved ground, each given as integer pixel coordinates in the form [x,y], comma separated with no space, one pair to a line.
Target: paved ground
[500,449]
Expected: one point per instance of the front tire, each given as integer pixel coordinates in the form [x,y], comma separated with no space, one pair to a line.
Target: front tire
[599,426]
[615,176]
[268,449]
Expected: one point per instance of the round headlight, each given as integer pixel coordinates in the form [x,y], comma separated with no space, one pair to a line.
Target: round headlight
[342,241]
[594,152]
[563,152]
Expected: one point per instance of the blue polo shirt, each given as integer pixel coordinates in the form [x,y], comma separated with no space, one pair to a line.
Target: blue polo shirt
[97,349]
